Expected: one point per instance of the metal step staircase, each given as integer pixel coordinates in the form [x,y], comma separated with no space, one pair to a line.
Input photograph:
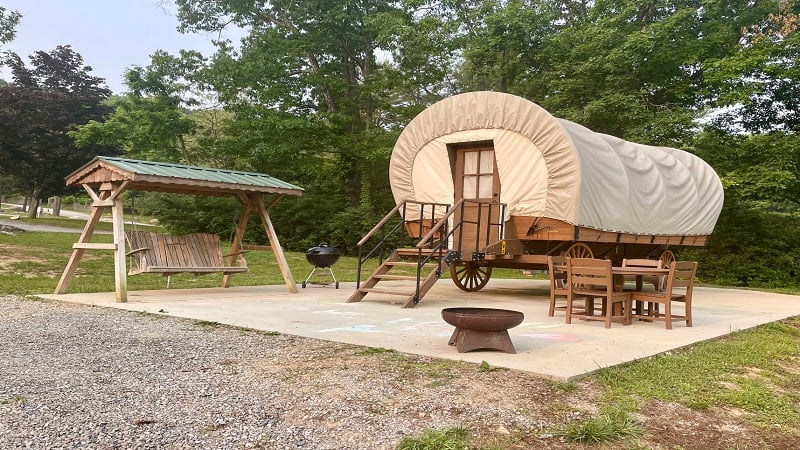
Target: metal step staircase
[424,263]
[413,263]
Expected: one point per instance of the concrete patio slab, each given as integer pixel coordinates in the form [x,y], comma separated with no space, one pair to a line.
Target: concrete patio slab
[545,345]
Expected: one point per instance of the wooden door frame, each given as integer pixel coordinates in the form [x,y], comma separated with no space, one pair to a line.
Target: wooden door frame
[457,171]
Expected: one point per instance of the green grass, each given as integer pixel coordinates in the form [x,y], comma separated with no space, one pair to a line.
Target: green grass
[753,370]
[453,439]
[32,262]
[78,224]
[607,427]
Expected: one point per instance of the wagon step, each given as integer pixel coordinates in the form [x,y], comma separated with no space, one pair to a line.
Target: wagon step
[396,277]
[415,252]
[407,289]
[387,291]
[401,263]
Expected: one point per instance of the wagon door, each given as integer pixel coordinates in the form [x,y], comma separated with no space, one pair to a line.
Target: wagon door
[475,178]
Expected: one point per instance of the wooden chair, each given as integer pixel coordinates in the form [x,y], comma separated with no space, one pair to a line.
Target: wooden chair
[556,268]
[592,278]
[681,275]
[652,279]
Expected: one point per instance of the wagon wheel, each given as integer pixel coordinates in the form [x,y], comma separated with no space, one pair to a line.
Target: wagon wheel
[667,258]
[469,276]
[579,250]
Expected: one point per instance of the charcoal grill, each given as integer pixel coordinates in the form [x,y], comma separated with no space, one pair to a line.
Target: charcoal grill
[322,257]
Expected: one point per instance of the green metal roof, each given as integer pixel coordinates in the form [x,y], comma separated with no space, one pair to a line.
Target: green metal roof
[162,169]
[177,178]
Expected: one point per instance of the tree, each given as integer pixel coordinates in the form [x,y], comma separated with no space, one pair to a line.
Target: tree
[37,110]
[633,69]
[757,85]
[8,24]
[501,39]
[316,100]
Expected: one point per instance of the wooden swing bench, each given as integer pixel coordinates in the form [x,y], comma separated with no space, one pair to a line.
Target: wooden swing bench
[197,253]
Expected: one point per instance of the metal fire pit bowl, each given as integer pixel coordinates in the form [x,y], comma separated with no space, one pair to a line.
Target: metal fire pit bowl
[482,328]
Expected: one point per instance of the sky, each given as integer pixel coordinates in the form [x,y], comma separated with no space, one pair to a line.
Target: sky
[110,35]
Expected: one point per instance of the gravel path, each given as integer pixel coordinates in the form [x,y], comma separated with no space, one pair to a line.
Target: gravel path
[74,376]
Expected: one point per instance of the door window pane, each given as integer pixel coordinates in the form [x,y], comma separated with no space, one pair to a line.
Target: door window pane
[485,190]
[470,188]
[471,163]
[487,162]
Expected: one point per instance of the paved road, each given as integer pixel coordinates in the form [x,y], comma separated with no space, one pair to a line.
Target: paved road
[27,226]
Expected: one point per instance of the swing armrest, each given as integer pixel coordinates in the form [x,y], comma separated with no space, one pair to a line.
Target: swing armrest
[240,252]
[138,250]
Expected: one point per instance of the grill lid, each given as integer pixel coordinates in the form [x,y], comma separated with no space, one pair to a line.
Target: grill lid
[323,255]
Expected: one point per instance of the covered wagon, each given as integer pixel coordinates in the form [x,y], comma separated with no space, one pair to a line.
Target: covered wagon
[487,179]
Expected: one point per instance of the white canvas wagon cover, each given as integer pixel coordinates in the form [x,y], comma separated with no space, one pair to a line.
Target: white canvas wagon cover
[554,168]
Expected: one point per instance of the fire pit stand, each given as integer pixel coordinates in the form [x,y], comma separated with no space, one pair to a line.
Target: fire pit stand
[322,257]
[482,328]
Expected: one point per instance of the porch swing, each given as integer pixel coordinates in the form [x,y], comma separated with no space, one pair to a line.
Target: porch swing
[106,178]
[196,253]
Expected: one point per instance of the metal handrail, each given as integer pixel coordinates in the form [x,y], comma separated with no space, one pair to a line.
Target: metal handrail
[426,240]
[386,235]
[380,224]
[422,242]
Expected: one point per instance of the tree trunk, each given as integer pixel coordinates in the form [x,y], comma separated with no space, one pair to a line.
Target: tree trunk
[33,204]
[57,206]
[33,208]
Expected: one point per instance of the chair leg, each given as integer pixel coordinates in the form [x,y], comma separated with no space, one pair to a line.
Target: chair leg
[628,319]
[551,312]
[568,318]
[668,314]
[688,313]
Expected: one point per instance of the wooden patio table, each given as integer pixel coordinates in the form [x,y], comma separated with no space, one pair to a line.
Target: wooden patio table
[639,272]
[619,278]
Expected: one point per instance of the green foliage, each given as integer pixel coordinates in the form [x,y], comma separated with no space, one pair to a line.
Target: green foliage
[44,102]
[750,248]
[9,20]
[184,214]
[145,128]
[759,83]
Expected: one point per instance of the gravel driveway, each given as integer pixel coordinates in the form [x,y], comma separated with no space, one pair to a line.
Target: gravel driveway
[84,377]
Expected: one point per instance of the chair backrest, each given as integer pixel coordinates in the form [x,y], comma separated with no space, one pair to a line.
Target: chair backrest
[654,263]
[557,270]
[590,272]
[684,274]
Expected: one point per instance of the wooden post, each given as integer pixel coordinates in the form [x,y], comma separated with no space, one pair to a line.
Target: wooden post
[241,225]
[258,202]
[109,196]
[120,269]
[77,253]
